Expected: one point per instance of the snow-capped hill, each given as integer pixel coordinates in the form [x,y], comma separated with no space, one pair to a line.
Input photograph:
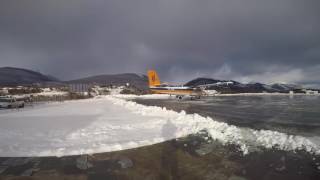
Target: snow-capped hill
[209,82]
[18,76]
[218,84]
[285,87]
[230,86]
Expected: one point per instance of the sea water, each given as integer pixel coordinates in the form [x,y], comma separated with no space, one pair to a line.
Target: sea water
[296,115]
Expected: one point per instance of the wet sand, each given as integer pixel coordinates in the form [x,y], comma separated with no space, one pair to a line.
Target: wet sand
[189,158]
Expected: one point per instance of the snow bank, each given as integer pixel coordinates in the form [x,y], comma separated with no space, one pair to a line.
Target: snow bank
[76,127]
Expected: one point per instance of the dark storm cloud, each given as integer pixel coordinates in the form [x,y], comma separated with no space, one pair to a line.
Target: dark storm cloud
[244,40]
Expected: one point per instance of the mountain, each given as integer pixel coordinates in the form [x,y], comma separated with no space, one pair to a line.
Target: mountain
[10,76]
[115,79]
[224,86]
[285,87]
[205,81]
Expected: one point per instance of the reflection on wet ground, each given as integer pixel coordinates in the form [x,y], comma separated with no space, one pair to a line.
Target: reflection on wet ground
[189,158]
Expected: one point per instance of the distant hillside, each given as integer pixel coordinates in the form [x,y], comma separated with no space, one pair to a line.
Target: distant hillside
[204,81]
[10,76]
[116,79]
[224,86]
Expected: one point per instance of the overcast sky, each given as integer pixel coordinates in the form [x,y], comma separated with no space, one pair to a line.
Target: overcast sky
[245,40]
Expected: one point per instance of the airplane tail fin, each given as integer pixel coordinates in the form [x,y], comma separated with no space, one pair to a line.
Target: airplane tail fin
[153,78]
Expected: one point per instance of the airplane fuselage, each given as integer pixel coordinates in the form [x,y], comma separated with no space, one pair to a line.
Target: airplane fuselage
[173,90]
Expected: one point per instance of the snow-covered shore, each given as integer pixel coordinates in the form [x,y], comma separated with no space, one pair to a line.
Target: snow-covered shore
[111,123]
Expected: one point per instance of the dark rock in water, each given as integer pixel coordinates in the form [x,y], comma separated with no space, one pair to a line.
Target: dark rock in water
[83,163]
[125,163]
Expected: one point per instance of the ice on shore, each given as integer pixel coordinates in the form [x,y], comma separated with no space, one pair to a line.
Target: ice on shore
[111,123]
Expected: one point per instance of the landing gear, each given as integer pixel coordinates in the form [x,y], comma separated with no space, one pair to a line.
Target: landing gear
[179,97]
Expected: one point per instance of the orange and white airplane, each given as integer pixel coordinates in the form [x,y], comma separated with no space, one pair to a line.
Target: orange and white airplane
[156,87]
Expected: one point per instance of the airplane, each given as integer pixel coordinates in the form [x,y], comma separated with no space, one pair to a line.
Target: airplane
[156,87]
